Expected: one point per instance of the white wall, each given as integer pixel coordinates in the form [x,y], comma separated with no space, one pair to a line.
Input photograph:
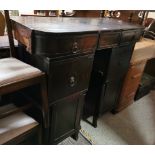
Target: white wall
[25,11]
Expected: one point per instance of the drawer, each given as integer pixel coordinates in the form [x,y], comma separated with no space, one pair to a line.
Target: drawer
[109,39]
[69,76]
[65,44]
[128,36]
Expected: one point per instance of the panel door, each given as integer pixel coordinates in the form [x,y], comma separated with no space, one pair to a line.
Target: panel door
[109,96]
[119,62]
[65,117]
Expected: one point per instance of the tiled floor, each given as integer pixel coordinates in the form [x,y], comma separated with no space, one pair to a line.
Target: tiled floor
[134,125]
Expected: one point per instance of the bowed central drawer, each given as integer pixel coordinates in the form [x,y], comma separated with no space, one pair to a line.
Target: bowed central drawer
[109,39]
[60,44]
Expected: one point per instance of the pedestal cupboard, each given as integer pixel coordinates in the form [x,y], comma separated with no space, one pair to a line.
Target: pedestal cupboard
[65,48]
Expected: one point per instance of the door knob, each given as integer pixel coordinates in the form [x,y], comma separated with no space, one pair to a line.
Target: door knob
[72,81]
[75,47]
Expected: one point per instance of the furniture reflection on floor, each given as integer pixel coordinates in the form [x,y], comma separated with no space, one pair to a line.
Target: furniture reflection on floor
[144,51]
[15,126]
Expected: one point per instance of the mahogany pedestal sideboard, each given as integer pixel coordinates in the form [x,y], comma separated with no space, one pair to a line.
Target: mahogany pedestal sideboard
[144,50]
[64,48]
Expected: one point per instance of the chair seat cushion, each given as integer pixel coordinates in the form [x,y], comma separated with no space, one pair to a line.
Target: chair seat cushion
[14,125]
[13,70]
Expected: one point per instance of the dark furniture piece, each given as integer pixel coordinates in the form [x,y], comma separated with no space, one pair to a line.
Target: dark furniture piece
[15,76]
[132,16]
[146,85]
[144,51]
[64,48]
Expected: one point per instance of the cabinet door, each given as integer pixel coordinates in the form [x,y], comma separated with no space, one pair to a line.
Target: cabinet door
[119,62]
[69,76]
[118,67]
[109,96]
[98,74]
[65,118]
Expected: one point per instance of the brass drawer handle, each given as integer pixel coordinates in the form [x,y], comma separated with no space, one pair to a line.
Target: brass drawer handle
[72,81]
[75,47]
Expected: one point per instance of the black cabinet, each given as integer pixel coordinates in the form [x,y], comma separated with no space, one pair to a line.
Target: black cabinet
[109,69]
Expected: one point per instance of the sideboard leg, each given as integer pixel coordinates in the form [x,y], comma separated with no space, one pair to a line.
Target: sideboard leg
[94,122]
[75,136]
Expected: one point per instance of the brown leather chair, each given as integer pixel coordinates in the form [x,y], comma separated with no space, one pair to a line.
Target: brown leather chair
[16,127]
[2,24]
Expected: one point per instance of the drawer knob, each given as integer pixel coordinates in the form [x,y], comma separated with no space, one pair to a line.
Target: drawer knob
[101,73]
[75,47]
[72,81]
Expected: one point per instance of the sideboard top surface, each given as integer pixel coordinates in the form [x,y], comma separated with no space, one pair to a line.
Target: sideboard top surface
[73,25]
